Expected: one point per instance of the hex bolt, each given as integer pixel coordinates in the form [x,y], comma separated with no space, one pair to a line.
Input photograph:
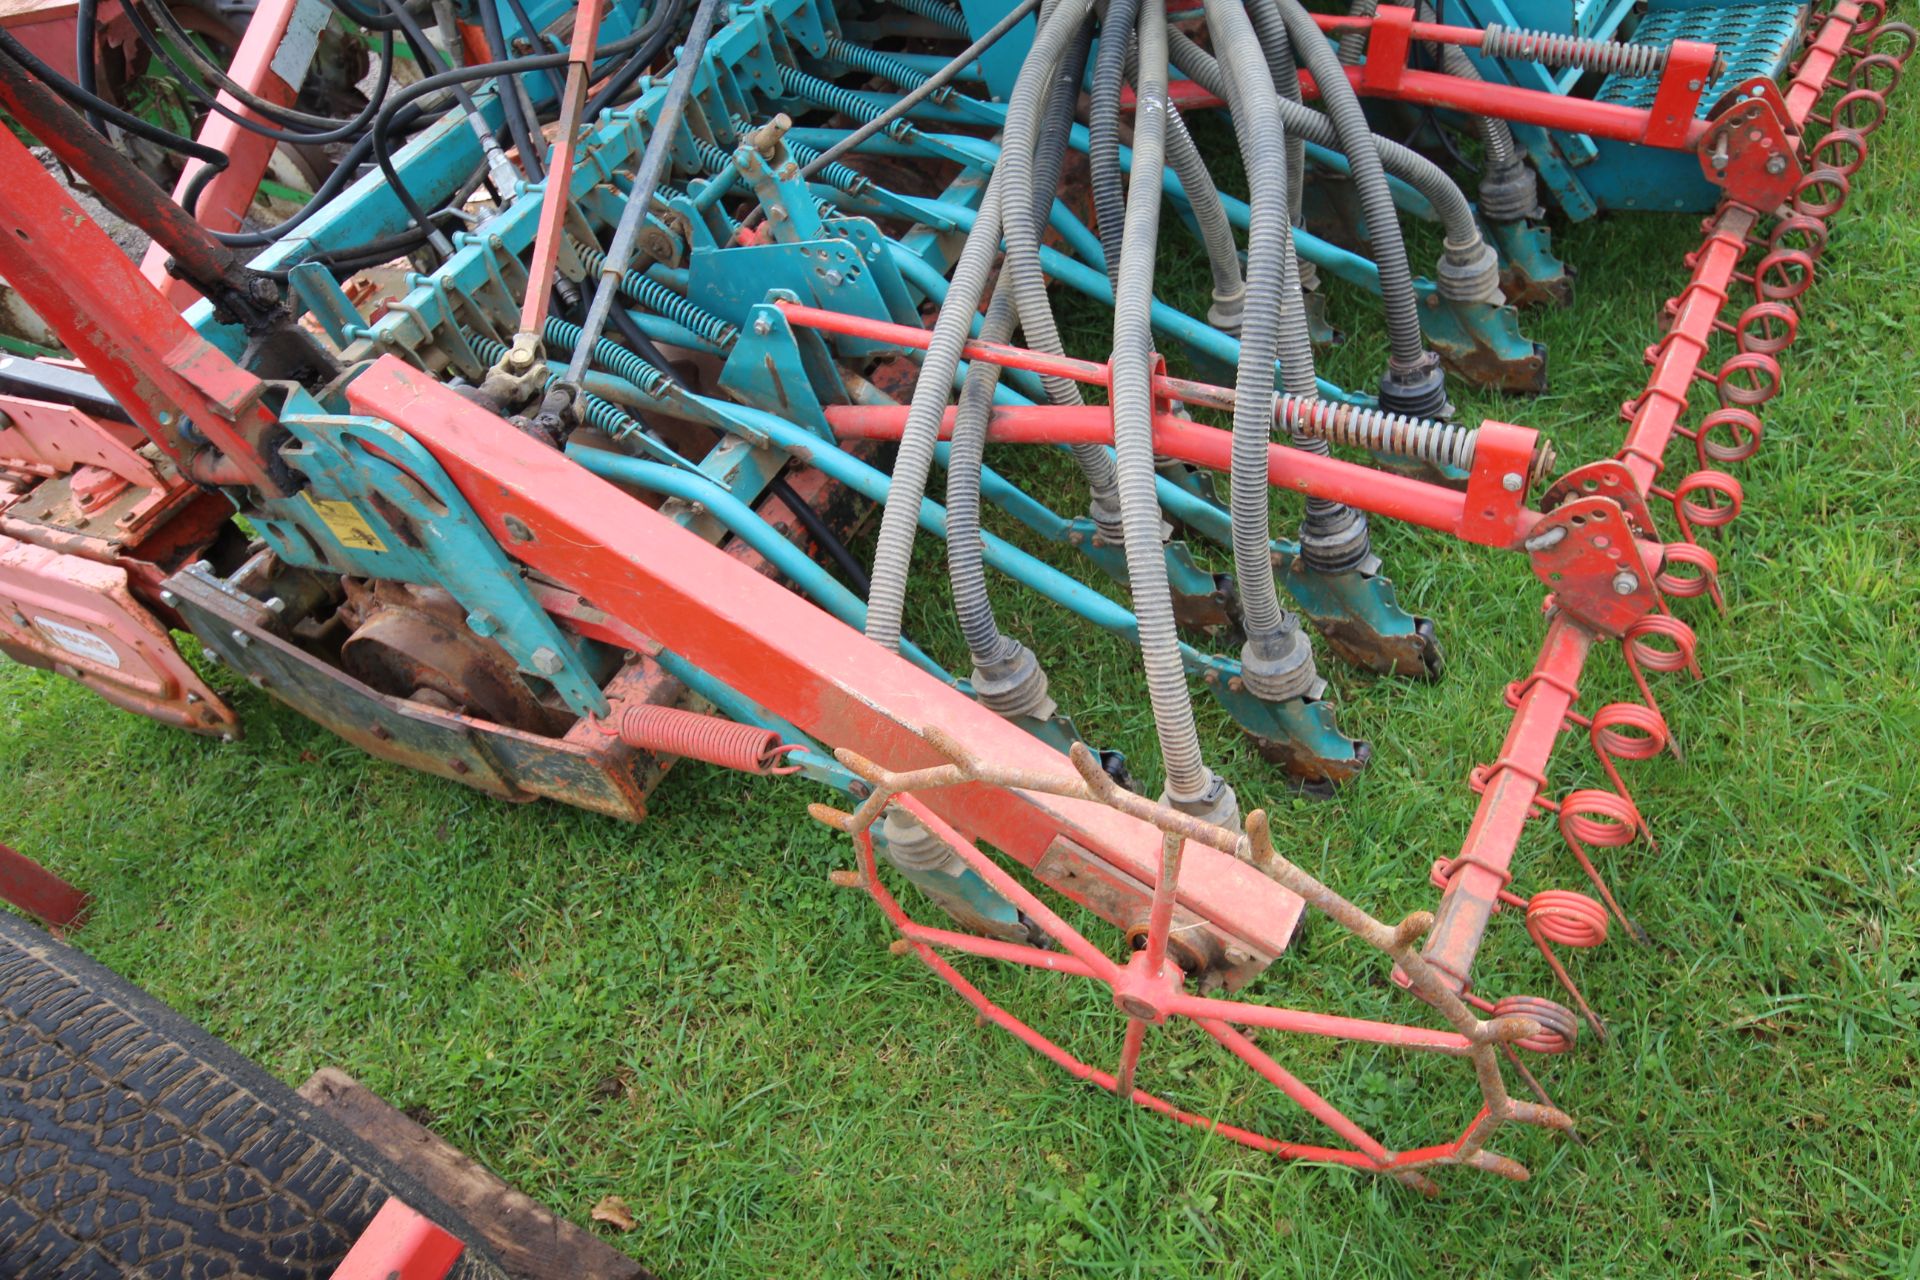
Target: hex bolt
[276,605]
[835,279]
[169,599]
[240,637]
[1511,482]
[762,326]
[1776,165]
[548,662]
[1625,584]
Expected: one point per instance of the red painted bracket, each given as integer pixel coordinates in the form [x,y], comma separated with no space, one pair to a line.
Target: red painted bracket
[40,893]
[1387,50]
[400,1244]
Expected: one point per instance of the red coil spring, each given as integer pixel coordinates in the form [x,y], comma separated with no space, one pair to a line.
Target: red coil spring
[671,731]
[1595,819]
[1559,1025]
[1704,582]
[1562,918]
[1643,655]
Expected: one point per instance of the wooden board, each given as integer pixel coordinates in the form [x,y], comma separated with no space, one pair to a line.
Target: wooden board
[527,1240]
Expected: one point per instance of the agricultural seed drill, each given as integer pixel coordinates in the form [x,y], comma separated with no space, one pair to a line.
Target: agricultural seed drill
[551,417]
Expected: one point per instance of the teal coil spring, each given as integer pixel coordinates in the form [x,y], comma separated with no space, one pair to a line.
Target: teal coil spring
[661,300]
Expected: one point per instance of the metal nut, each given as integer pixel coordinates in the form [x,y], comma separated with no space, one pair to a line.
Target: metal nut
[762,326]
[240,637]
[1625,584]
[1512,482]
[548,662]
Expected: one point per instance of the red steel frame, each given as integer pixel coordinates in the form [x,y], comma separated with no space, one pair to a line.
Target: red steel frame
[1514,787]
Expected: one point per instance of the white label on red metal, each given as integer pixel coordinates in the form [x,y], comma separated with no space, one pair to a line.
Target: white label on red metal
[81,644]
[294,57]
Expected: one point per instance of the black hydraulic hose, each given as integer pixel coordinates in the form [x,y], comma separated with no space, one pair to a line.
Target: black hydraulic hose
[86,69]
[653,38]
[818,529]
[341,130]
[343,173]
[325,128]
[496,38]
[362,17]
[384,122]
[532,33]
[80,98]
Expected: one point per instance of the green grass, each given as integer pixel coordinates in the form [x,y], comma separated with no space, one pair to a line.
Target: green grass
[687,1015]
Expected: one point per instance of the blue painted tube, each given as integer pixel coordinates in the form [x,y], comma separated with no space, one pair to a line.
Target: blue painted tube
[744,523]
[1066,591]
[661,329]
[1342,263]
[1167,320]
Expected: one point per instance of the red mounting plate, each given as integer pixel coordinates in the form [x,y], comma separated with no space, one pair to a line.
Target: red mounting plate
[1759,89]
[1586,553]
[77,618]
[1609,478]
[1748,152]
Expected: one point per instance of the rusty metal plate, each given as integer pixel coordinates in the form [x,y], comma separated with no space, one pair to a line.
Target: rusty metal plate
[1114,895]
[593,772]
[79,619]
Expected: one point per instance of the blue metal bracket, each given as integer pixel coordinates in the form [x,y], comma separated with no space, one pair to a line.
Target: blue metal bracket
[377,505]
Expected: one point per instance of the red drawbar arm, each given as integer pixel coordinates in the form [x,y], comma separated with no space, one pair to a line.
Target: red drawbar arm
[784,653]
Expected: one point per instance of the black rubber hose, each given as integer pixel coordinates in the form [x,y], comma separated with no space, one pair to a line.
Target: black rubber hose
[817,529]
[85,19]
[341,130]
[532,33]
[83,100]
[383,123]
[653,37]
[496,38]
[286,117]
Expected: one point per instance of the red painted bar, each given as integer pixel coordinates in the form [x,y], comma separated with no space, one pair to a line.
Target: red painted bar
[229,194]
[39,892]
[1247,1014]
[1515,781]
[400,1244]
[1822,56]
[792,658]
[1399,497]
[1508,102]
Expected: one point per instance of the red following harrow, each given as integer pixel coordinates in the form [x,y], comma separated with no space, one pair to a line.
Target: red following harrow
[395,504]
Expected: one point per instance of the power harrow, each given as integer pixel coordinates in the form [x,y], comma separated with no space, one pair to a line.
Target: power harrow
[530,451]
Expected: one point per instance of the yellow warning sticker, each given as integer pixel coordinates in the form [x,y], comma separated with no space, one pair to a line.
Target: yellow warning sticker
[346,523]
